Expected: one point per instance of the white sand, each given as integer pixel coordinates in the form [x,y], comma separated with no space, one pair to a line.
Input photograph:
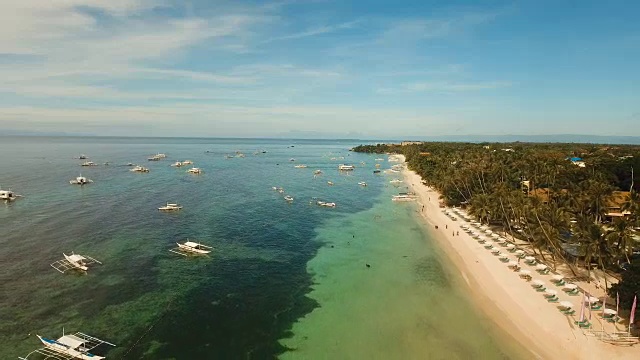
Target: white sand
[510,301]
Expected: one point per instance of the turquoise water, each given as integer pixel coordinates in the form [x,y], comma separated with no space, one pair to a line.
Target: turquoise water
[280,282]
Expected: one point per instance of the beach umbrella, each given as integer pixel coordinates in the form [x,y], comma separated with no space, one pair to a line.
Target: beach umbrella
[488,243]
[488,232]
[512,263]
[610,311]
[529,258]
[566,304]
[591,300]
[538,282]
[551,292]
[570,286]
[557,278]
[495,236]
[511,246]
[541,267]
[519,252]
[525,272]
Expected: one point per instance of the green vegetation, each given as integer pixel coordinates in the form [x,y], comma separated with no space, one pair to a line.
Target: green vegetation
[575,203]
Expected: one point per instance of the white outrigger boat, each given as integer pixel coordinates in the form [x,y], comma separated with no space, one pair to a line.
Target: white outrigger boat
[187,162]
[288,198]
[362,183]
[191,248]
[74,262]
[80,180]
[326,204]
[301,166]
[403,198]
[139,168]
[317,172]
[343,167]
[68,347]
[195,170]
[8,195]
[88,163]
[329,183]
[177,164]
[170,207]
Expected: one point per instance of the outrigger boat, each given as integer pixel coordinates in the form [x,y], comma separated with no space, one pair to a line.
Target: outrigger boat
[362,183]
[177,164]
[288,198]
[195,170]
[8,195]
[74,262]
[301,166]
[343,167]
[80,180]
[170,207]
[139,169]
[88,163]
[326,204]
[191,248]
[68,347]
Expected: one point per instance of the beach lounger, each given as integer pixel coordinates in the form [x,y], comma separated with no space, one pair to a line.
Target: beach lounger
[569,312]
[573,292]
[553,299]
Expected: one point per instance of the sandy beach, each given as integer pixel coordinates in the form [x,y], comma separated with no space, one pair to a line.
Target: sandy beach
[510,301]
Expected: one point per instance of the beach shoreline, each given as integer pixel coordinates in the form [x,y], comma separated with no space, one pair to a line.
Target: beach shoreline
[507,300]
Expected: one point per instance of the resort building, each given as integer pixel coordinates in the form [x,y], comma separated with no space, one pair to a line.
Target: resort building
[615,203]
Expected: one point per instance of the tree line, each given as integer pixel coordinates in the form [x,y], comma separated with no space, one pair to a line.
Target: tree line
[574,203]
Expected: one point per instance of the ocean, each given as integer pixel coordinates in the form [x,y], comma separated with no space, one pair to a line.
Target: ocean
[285,280]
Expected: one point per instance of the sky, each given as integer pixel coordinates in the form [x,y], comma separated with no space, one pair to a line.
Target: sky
[366,68]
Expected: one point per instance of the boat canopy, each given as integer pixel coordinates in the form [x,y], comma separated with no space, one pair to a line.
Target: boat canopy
[76,257]
[191,244]
[71,341]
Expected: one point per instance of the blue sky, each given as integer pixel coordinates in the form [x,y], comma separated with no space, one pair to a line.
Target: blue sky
[378,69]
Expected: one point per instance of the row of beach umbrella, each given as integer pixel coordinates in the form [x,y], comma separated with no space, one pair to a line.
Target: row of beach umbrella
[485,236]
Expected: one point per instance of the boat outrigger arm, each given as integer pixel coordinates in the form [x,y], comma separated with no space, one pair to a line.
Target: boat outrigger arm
[68,347]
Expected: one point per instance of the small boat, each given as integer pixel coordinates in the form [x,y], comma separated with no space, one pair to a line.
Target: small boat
[317,172]
[177,164]
[88,163]
[278,189]
[326,204]
[74,262]
[8,195]
[187,162]
[343,167]
[131,164]
[379,159]
[229,156]
[68,347]
[301,166]
[240,155]
[191,248]
[139,169]
[292,159]
[80,180]
[403,198]
[155,158]
[195,170]
[376,171]
[288,198]
[396,181]
[82,157]
[170,207]
[329,183]
[362,183]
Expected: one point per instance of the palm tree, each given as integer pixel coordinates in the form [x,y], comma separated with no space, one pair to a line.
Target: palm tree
[620,237]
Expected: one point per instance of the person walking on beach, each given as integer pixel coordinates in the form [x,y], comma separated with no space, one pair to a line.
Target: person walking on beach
[457,232]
